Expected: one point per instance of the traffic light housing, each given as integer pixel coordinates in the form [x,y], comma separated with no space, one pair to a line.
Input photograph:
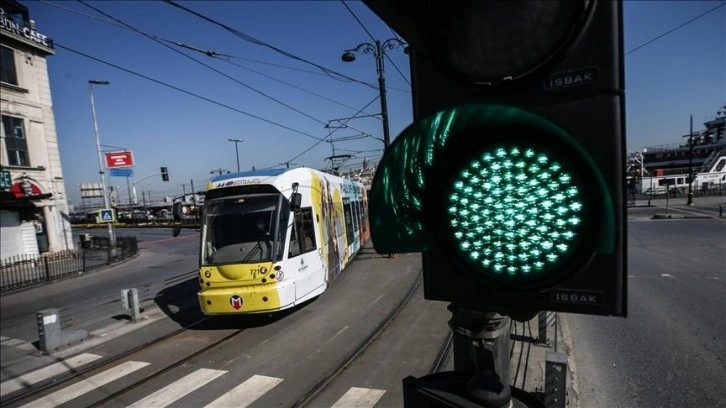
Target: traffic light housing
[164,174]
[510,180]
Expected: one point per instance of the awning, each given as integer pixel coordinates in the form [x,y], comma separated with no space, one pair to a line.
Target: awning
[8,201]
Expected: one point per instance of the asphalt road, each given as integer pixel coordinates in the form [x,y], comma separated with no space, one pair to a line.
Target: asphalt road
[161,260]
[671,349]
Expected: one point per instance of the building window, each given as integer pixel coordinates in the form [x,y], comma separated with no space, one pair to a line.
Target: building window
[7,66]
[15,142]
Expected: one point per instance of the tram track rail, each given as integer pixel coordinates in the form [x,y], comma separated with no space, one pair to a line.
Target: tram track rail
[375,334]
[218,339]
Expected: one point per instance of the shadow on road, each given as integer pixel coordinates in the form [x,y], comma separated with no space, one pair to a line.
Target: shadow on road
[179,303]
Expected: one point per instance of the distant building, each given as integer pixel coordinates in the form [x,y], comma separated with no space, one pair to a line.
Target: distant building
[33,203]
[707,145]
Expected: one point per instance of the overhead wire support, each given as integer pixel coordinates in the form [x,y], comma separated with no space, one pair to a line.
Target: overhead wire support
[330,133]
[203,64]
[256,41]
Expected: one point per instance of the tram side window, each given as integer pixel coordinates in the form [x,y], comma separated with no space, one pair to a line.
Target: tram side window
[356,214]
[348,221]
[302,237]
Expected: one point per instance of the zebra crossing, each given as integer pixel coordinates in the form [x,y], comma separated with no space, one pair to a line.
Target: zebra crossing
[240,396]
[16,343]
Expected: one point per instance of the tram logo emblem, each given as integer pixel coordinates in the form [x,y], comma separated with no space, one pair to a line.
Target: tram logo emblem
[236,302]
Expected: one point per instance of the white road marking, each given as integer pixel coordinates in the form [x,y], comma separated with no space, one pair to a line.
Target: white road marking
[666,275]
[97,381]
[359,398]
[12,342]
[246,393]
[44,373]
[25,346]
[179,388]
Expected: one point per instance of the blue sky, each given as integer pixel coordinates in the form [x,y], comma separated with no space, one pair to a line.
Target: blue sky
[676,76]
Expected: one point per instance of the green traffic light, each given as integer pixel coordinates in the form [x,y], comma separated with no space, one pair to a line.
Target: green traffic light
[515,211]
[504,194]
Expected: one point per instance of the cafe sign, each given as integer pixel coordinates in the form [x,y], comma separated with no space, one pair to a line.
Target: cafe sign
[7,24]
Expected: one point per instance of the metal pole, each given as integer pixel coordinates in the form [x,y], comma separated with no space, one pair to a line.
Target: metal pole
[128,190]
[382,89]
[236,150]
[111,231]
[690,164]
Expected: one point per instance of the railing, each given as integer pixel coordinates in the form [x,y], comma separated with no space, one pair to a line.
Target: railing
[28,270]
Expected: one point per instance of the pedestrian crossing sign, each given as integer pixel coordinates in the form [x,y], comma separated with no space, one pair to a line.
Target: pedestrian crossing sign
[107,215]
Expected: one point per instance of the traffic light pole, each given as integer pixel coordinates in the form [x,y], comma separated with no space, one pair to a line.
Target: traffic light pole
[481,366]
[481,346]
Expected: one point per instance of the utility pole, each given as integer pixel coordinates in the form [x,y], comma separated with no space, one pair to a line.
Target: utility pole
[236,141]
[690,164]
[128,190]
[111,230]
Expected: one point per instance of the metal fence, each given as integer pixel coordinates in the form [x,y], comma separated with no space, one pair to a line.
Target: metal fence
[28,270]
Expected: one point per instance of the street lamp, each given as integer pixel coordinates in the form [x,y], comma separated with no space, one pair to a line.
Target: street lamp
[235,149]
[111,230]
[378,51]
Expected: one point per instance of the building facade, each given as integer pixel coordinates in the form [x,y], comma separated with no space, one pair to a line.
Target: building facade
[33,203]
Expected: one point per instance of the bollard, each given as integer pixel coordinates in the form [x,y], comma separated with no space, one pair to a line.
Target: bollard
[555,380]
[130,300]
[49,330]
[542,329]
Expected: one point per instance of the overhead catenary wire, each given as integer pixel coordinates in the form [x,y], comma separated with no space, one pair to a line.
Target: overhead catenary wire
[256,41]
[177,43]
[215,54]
[59,45]
[204,64]
[675,28]
[209,53]
[325,139]
[288,84]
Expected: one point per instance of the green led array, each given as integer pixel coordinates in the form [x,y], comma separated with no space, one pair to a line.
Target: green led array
[515,211]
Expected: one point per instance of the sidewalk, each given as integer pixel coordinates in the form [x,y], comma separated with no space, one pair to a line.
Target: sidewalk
[529,356]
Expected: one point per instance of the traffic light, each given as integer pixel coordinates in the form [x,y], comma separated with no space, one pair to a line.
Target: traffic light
[164,174]
[510,180]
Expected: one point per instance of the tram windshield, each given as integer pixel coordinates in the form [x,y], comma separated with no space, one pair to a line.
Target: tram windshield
[244,229]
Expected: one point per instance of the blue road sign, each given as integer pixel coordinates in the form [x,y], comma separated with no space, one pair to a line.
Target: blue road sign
[121,172]
[106,215]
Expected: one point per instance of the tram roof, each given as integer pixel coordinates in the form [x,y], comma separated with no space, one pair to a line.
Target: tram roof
[252,173]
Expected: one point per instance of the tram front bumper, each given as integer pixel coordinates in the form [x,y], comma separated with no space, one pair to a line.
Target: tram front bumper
[246,299]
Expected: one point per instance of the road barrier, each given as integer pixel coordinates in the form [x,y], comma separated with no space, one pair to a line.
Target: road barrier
[95,252]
